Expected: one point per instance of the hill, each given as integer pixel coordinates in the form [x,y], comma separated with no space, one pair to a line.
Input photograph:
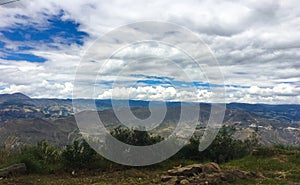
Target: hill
[27,121]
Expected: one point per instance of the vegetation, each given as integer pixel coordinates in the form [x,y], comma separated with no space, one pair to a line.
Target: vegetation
[135,137]
[78,155]
[279,162]
[223,149]
[42,158]
[278,166]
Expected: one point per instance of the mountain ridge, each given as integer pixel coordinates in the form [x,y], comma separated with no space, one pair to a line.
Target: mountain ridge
[275,124]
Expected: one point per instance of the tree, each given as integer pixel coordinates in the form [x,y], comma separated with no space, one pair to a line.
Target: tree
[135,137]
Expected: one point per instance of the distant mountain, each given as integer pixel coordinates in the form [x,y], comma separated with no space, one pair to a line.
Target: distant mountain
[16,97]
[288,112]
[25,120]
[19,106]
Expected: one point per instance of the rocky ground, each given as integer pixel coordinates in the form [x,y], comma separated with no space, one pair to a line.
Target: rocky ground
[209,173]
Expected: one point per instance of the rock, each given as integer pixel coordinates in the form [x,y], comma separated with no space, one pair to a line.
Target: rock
[170,179]
[228,176]
[223,177]
[255,175]
[166,178]
[184,181]
[180,178]
[15,169]
[239,174]
[211,168]
[188,171]
[195,169]
[206,174]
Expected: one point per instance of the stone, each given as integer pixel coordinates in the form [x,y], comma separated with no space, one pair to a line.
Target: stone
[211,168]
[184,181]
[166,178]
[239,174]
[254,175]
[169,179]
[188,171]
[209,173]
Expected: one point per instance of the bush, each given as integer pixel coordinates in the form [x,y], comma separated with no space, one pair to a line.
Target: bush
[191,150]
[286,147]
[135,137]
[78,155]
[225,147]
[33,165]
[42,158]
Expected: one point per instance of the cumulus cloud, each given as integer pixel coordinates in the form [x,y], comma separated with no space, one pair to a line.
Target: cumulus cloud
[255,42]
[157,93]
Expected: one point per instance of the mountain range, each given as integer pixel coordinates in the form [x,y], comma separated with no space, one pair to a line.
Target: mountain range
[24,120]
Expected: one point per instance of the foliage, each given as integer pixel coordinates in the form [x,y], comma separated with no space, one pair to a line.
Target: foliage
[191,150]
[78,155]
[281,168]
[286,147]
[44,158]
[223,149]
[40,158]
[135,137]
[271,151]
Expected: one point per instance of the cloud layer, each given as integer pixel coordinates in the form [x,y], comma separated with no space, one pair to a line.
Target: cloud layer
[255,42]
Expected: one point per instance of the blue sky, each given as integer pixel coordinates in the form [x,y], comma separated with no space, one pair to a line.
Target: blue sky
[55,27]
[43,42]
[29,37]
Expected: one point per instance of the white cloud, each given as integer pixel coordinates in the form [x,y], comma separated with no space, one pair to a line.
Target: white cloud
[158,93]
[255,42]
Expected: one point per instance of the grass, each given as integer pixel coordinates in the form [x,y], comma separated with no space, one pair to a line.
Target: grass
[278,165]
[281,168]
[113,174]
[127,176]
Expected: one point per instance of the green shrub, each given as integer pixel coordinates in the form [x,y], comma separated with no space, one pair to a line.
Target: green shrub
[286,147]
[191,150]
[42,158]
[222,149]
[225,148]
[33,165]
[135,137]
[78,155]
[4,156]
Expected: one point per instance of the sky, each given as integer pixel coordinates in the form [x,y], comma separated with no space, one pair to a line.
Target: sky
[255,43]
